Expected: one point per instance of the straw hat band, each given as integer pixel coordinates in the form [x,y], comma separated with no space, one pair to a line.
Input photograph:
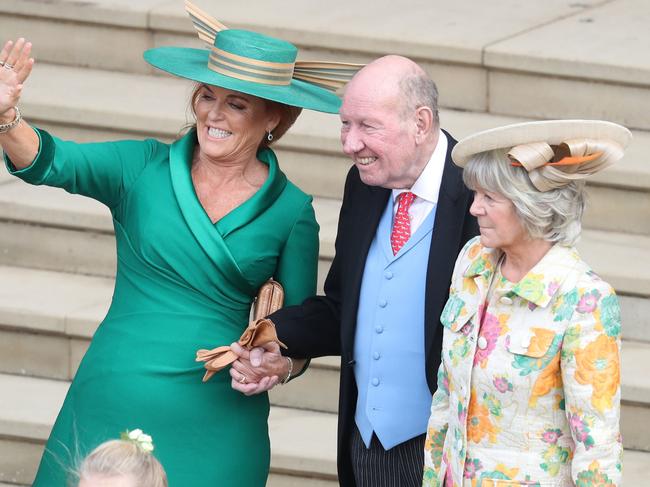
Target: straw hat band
[250,69]
[532,155]
[551,167]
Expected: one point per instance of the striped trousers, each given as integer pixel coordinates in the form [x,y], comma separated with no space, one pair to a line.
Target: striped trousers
[401,466]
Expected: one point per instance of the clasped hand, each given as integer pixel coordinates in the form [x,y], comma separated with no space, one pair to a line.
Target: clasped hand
[259,369]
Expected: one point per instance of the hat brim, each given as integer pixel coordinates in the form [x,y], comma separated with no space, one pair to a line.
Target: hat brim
[192,64]
[552,132]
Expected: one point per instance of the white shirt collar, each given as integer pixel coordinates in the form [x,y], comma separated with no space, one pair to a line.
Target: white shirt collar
[427,185]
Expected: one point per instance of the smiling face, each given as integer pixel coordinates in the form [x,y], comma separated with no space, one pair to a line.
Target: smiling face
[498,221]
[230,125]
[378,132]
[377,141]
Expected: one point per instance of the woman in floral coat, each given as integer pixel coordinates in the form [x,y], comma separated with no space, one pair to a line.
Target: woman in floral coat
[529,384]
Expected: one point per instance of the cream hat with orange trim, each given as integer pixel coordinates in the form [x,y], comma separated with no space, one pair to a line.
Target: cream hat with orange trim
[554,152]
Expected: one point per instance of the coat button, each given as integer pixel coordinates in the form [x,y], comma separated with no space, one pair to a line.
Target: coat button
[482,343]
[375,382]
[383,303]
[388,275]
[506,300]
[379,329]
[376,355]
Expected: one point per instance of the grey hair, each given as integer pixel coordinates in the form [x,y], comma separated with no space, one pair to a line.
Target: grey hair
[118,458]
[418,90]
[554,216]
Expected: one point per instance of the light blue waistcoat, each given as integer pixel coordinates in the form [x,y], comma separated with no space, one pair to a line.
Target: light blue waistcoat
[394,399]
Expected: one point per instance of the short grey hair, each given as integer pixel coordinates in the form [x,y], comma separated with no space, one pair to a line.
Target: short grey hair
[418,90]
[554,216]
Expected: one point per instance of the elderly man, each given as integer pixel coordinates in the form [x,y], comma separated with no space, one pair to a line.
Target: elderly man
[404,218]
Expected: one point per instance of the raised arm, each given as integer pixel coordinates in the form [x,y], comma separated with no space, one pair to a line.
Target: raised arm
[18,140]
[103,171]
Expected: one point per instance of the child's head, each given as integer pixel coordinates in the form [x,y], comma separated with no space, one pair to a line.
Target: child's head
[123,463]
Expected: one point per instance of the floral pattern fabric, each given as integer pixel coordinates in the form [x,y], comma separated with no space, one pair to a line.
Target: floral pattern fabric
[529,384]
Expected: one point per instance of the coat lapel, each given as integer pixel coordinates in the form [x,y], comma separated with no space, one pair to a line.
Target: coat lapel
[205,232]
[260,201]
[450,215]
[373,202]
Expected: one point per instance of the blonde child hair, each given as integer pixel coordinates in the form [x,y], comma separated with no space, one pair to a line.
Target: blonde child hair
[128,460]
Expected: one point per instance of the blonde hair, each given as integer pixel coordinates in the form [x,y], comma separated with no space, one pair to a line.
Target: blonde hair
[118,458]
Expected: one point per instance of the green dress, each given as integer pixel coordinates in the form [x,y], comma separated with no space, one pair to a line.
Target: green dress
[182,283]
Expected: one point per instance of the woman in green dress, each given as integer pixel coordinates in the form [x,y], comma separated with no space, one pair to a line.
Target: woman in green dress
[200,225]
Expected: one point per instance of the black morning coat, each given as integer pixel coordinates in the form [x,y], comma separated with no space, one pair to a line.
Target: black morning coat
[325,325]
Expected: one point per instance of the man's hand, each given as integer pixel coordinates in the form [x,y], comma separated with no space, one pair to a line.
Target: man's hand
[259,370]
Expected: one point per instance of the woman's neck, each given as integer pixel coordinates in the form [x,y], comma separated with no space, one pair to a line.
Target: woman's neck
[223,173]
[522,257]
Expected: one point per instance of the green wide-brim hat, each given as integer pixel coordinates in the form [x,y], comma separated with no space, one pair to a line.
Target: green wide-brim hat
[255,64]
[191,63]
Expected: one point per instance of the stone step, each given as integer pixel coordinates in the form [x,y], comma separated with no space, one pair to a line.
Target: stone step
[64,100]
[47,337]
[47,228]
[303,442]
[43,227]
[47,320]
[482,62]
[54,284]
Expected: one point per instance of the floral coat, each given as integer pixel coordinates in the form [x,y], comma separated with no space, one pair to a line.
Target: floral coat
[531,397]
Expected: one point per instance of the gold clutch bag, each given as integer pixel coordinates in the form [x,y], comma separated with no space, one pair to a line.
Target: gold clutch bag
[269,298]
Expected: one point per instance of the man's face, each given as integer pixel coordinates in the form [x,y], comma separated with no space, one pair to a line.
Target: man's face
[377,137]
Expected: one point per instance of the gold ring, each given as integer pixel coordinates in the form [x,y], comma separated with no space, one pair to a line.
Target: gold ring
[242,380]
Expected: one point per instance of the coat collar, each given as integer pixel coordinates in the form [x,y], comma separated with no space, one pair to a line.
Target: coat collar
[540,284]
[452,176]
[212,237]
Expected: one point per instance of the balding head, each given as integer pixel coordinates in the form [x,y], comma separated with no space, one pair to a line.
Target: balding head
[402,78]
[390,128]
[390,69]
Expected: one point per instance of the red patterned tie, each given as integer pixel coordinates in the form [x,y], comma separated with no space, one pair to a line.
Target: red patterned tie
[402,224]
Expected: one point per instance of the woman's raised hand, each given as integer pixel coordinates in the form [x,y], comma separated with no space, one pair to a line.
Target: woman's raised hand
[15,67]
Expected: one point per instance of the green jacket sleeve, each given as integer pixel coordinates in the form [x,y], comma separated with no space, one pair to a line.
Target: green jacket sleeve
[298,263]
[104,171]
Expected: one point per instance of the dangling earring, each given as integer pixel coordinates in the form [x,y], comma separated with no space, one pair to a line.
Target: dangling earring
[269,136]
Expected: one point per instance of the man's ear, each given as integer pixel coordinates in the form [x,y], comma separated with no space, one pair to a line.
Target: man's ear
[423,123]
